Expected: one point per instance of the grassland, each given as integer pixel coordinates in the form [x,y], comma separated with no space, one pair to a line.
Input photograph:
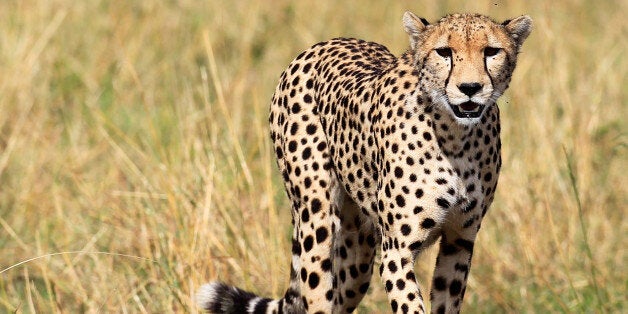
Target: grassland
[135,161]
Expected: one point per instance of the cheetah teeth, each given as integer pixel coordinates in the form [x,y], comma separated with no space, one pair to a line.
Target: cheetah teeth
[467,109]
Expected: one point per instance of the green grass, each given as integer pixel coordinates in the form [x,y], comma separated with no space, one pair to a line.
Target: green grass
[133,136]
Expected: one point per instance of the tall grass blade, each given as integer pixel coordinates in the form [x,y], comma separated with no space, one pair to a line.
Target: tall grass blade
[583,229]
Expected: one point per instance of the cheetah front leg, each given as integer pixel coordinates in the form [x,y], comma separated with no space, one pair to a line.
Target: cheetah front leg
[397,273]
[451,272]
[408,220]
[454,258]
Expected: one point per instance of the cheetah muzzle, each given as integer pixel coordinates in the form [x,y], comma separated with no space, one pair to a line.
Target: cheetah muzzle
[389,154]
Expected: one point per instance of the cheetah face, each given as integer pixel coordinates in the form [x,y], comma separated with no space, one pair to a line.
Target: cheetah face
[465,61]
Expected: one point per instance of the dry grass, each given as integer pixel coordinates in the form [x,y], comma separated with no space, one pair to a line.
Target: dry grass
[133,136]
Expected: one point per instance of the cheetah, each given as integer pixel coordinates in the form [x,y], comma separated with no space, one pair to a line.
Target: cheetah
[395,153]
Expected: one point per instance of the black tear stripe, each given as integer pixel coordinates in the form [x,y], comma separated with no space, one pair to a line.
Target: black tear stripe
[489,73]
[451,69]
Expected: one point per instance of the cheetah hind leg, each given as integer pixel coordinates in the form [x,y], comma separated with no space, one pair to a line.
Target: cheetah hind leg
[355,249]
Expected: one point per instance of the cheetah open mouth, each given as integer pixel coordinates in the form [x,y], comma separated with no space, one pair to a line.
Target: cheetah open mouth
[467,109]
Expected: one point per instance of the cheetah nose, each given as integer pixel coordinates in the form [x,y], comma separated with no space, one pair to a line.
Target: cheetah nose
[470,89]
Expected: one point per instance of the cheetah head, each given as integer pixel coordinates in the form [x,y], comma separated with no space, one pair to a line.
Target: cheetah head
[465,60]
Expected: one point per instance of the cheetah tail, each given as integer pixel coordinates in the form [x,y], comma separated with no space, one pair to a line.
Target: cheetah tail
[217,297]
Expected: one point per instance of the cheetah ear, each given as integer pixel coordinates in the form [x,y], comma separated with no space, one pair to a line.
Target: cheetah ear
[414,25]
[519,28]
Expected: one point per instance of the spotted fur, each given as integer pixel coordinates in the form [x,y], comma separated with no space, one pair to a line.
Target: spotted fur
[396,153]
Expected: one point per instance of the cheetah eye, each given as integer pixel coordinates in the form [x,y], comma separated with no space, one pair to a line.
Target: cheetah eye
[490,51]
[444,52]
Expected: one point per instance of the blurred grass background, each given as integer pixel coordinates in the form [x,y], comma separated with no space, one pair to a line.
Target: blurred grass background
[135,161]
